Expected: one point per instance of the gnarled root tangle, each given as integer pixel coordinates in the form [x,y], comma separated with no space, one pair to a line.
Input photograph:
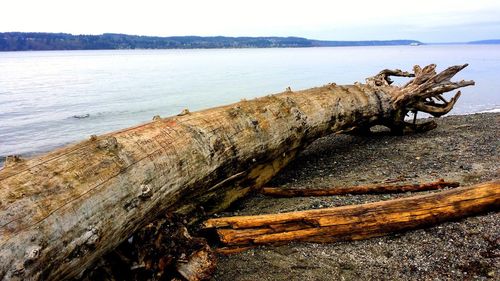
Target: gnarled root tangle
[423,93]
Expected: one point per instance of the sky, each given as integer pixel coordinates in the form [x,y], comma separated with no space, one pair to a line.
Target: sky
[424,20]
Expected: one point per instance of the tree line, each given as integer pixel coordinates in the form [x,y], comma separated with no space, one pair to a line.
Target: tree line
[25,41]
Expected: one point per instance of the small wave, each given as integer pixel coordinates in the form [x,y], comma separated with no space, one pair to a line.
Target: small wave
[494,110]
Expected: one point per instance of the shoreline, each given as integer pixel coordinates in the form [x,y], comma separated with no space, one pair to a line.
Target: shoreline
[36,153]
[251,48]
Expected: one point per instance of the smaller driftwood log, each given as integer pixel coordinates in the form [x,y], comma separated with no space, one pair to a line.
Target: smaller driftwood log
[360,189]
[358,221]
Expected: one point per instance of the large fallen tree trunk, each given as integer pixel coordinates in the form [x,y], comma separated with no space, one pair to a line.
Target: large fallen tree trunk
[357,221]
[61,211]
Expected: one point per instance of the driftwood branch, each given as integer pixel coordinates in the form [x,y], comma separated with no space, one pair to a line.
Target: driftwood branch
[358,221]
[383,77]
[360,189]
[437,109]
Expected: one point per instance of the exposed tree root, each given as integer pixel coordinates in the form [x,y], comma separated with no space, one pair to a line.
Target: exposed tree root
[422,93]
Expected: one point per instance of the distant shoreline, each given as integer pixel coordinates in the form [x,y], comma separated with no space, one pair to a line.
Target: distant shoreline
[33,41]
[40,41]
[248,48]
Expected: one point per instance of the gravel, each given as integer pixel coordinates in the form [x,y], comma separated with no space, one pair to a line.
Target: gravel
[462,148]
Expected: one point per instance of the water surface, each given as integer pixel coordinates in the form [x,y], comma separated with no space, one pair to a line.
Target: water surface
[41,92]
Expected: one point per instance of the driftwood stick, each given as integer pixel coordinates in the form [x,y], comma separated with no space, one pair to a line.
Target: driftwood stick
[358,221]
[232,250]
[360,189]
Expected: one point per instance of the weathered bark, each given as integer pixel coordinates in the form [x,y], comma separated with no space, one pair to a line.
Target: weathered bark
[357,221]
[61,211]
[359,189]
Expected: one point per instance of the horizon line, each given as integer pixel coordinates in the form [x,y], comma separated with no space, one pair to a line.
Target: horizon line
[243,36]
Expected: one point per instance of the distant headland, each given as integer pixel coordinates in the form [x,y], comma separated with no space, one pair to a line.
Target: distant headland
[27,41]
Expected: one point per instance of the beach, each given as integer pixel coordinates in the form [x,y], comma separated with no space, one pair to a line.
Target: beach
[463,148]
[249,141]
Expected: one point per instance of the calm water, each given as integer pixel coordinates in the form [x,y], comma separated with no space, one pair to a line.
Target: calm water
[40,92]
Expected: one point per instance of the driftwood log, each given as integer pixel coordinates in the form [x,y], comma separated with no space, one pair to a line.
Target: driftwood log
[359,189]
[357,221]
[62,211]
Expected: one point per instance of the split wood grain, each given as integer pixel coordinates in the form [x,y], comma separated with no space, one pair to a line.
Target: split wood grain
[358,221]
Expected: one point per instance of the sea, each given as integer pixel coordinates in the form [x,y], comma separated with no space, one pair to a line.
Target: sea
[49,99]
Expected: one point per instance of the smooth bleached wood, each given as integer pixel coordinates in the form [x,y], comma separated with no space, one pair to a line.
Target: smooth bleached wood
[62,211]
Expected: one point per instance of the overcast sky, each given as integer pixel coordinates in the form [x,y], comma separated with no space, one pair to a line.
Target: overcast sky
[425,20]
